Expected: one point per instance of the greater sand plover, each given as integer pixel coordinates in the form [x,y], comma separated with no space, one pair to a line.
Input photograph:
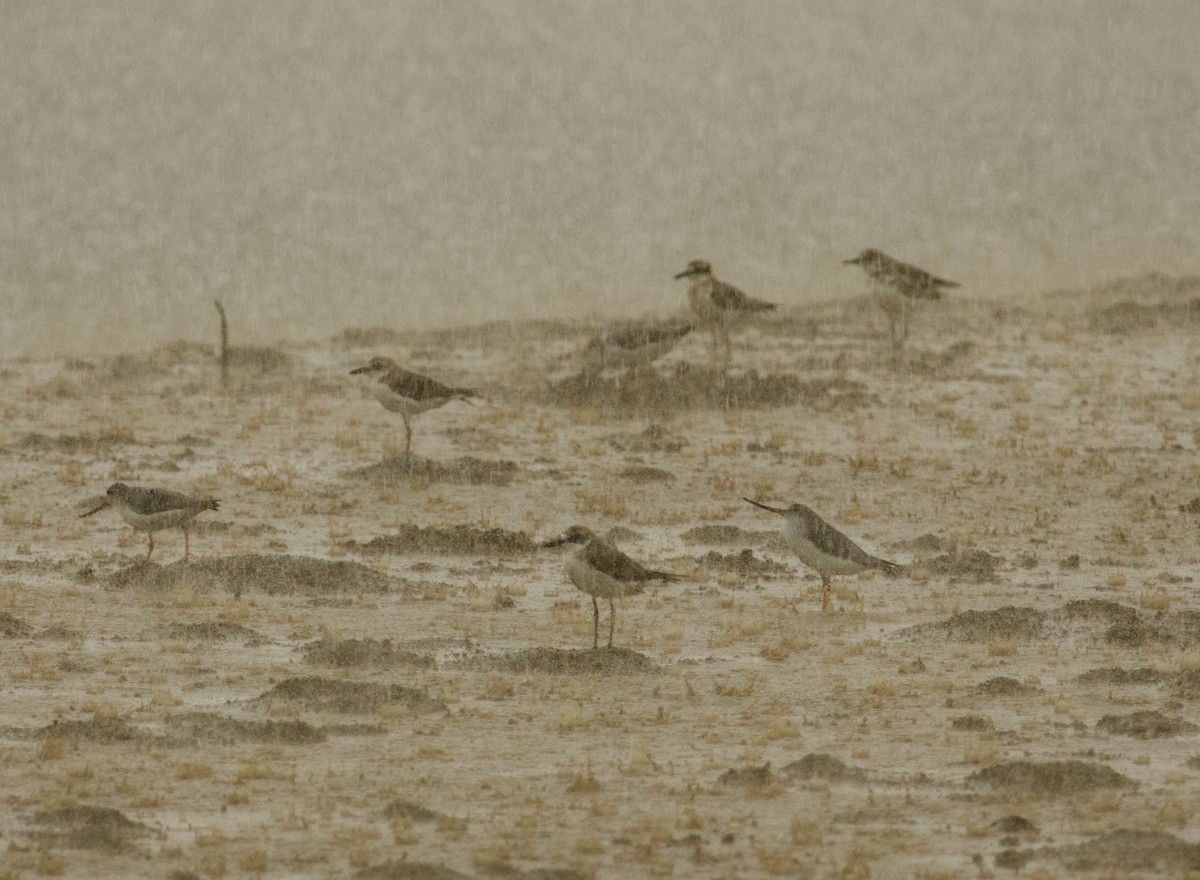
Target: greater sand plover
[602,571]
[151,510]
[407,393]
[718,305]
[899,286]
[632,345]
[822,547]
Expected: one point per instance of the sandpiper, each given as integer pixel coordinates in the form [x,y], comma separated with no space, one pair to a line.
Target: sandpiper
[632,345]
[407,393]
[151,510]
[602,571]
[900,285]
[819,545]
[717,305]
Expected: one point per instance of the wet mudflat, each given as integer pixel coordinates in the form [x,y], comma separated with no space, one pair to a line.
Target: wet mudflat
[369,668]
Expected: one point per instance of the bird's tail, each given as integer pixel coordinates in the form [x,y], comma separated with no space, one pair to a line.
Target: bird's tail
[891,569]
[466,395]
[759,305]
[665,576]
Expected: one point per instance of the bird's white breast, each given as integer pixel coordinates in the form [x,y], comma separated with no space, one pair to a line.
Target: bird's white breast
[812,555]
[153,522]
[394,402]
[594,582]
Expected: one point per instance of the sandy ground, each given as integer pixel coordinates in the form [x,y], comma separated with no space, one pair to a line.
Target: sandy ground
[370,670]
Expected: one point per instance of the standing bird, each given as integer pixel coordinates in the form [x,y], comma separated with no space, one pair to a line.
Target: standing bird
[407,393]
[819,545]
[632,345]
[602,571]
[151,510]
[718,305]
[900,286]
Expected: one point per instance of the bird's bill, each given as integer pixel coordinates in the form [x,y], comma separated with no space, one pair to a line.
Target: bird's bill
[853,262]
[99,507]
[358,370]
[764,507]
[684,274]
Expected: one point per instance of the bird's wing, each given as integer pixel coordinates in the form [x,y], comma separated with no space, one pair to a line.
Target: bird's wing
[727,297]
[829,540]
[912,278]
[608,559]
[414,386]
[147,501]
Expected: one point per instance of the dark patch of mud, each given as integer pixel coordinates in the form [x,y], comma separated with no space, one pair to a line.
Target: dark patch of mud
[1102,611]
[745,564]
[76,444]
[273,575]
[642,474]
[93,730]
[1145,725]
[214,631]
[1003,686]
[1015,825]
[927,543]
[458,540]
[655,438]
[466,470]
[13,627]
[931,362]
[257,357]
[691,386]
[350,653]
[725,535]
[1115,675]
[1051,778]
[1009,622]
[1129,850]
[564,661]
[820,766]
[749,777]
[82,826]
[972,723]
[974,564]
[405,870]
[349,697]
[410,811]
[1130,316]
[191,728]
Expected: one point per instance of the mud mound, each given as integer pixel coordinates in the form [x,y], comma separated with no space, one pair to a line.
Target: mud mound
[930,362]
[655,438]
[214,631]
[13,627]
[366,337]
[1115,675]
[349,697]
[690,387]
[1052,778]
[257,357]
[408,810]
[452,541]
[724,535]
[643,474]
[1100,611]
[927,543]
[346,653]
[562,661]
[1129,850]
[467,470]
[1014,824]
[972,723]
[975,564]
[273,575]
[745,564]
[1009,622]
[76,443]
[1145,725]
[820,766]
[1128,316]
[749,777]
[405,870]
[93,730]
[1003,686]
[198,727]
[1134,633]
[86,827]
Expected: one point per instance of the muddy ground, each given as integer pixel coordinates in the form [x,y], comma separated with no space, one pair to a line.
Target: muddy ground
[369,669]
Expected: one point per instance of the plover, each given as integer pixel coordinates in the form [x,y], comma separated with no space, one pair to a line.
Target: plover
[900,286]
[822,547]
[407,393]
[632,345]
[718,305]
[604,572]
[151,510]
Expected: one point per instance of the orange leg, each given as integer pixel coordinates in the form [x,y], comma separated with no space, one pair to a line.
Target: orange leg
[595,624]
[185,543]
[151,548]
[824,593]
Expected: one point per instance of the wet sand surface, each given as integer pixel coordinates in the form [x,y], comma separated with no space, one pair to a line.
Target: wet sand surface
[368,668]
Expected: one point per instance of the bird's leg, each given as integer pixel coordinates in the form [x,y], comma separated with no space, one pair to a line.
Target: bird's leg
[595,624]
[725,349]
[185,543]
[150,535]
[612,620]
[824,593]
[407,435]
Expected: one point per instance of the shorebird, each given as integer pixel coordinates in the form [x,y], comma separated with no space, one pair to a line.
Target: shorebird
[900,286]
[717,305]
[604,572]
[632,345]
[819,545]
[151,510]
[407,393]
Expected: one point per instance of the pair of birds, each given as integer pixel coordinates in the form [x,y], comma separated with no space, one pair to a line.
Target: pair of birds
[720,306]
[604,572]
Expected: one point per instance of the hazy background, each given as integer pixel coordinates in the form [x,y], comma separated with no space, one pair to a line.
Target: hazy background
[319,165]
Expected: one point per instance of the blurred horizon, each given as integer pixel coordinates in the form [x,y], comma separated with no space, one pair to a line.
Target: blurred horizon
[427,164]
